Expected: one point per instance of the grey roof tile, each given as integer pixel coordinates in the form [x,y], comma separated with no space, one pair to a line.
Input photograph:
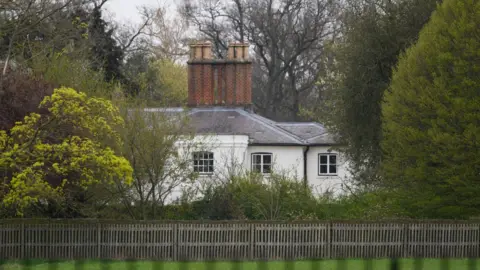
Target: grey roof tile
[303,130]
[261,130]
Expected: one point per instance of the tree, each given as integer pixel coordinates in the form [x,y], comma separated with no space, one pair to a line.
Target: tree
[73,71]
[159,147]
[168,36]
[106,54]
[164,83]
[374,33]
[109,45]
[32,29]
[288,38]
[21,21]
[75,146]
[431,118]
[20,94]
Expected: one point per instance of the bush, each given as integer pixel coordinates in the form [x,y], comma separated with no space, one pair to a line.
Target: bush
[254,197]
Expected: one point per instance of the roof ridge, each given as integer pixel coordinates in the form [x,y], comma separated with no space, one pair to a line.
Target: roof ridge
[262,119]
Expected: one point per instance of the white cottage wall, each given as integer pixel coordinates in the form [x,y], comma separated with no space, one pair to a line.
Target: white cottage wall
[229,154]
[286,159]
[323,183]
[232,154]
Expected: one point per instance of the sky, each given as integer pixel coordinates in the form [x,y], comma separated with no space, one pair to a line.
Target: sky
[125,11]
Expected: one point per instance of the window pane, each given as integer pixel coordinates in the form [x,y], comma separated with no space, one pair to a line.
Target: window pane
[267,168]
[210,155]
[257,168]
[333,169]
[323,159]
[210,168]
[195,155]
[333,159]
[257,159]
[267,159]
[323,168]
[195,162]
[200,169]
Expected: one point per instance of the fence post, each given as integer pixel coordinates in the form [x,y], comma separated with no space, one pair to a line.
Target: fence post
[99,240]
[22,241]
[175,241]
[252,241]
[330,240]
[405,240]
[478,246]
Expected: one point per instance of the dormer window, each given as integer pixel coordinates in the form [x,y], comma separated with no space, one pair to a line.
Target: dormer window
[262,162]
[203,162]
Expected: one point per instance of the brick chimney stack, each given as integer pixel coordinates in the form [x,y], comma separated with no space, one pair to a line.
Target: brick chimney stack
[219,82]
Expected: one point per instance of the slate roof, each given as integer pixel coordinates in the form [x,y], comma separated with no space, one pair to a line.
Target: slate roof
[261,130]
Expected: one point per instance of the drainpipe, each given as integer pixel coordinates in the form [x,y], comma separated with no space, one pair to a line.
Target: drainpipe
[305,152]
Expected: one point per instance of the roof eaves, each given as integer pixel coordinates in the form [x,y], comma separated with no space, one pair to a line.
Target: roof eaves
[160,109]
[277,144]
[325,144]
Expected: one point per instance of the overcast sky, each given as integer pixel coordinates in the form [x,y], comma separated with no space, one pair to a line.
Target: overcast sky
[127,10]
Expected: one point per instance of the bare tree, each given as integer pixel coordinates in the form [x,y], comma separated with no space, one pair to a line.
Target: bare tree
[159,146]
[134,38]
[168,35]
[288,38]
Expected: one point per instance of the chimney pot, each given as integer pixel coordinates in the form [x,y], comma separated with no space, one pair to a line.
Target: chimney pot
[224,82]
[237,51]
[200,50]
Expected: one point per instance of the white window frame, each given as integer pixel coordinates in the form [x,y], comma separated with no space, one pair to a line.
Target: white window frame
[262,155]
[205,159]
[328,173]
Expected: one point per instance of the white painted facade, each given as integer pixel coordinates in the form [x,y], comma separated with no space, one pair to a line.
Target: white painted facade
[286,159]
[233,154]
[323,183]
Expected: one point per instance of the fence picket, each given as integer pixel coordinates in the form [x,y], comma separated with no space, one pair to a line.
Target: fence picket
[60,239]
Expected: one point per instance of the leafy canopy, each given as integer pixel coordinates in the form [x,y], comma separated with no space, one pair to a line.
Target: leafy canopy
[374,35]
[432,118]
[164,83]
[73,145]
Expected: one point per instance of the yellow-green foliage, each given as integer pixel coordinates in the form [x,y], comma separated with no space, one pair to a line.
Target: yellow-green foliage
[73,144]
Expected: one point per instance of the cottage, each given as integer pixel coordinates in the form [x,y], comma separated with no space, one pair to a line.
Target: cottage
[221,115]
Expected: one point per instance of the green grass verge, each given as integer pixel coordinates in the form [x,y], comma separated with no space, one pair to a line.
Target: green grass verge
[406,264]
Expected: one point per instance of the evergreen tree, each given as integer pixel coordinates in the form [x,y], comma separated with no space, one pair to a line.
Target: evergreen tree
[105,52]
[431,117]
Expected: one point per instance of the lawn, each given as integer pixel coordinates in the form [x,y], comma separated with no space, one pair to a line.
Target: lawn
[426,264]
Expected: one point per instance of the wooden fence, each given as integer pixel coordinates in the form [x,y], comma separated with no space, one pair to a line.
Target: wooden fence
[79,239]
